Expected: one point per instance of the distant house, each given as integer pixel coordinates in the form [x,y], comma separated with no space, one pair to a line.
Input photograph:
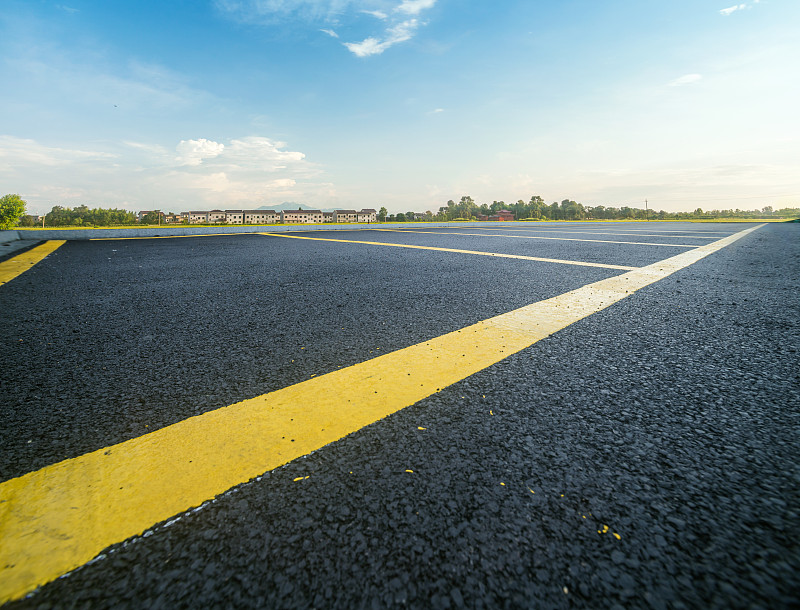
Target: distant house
[140,216]
[216,216]
[367,215]
[301,216]
[256,217]
[327,217]
[196,217]
[234,217]
[175,218]
[502,215]
[345,216]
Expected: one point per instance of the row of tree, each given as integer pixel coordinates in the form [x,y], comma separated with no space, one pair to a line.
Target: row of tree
[538,209]
[82,216]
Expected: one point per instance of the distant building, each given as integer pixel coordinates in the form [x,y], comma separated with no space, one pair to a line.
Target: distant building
[502,215]
[195,217]
[256,217]
[216,216]
[345,216]
[367,215]
[301,216]
[140,216]
[327,217]
[234,217]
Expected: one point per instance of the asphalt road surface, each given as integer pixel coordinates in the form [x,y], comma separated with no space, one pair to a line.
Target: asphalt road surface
[646,455]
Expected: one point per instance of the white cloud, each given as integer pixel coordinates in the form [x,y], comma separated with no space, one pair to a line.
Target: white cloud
[376,14]
[686,79]
[22,151]
[247,171]
[414,7]
[731,9]
[193,152]
[401,19]
[375,46]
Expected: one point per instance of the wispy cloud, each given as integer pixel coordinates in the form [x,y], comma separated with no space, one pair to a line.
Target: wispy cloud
[376,14]
[22,151]
[686,79]
[401,17]
[67,9]
[414,7]
[393,35]
[738,7]
[731,9]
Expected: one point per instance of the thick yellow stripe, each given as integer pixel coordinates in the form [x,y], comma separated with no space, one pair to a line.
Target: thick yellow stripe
[14,266]
[58,518]
[598,241]
[517,256]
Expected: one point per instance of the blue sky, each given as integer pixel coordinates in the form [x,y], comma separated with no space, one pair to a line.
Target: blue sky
[404,103]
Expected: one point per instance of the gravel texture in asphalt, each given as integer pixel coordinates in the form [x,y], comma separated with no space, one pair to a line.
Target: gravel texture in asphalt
[647,456]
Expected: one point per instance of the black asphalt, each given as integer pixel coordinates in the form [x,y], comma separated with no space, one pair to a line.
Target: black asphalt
[671,418]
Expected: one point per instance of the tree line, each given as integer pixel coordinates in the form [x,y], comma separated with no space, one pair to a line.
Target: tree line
[537,209]
[81,216]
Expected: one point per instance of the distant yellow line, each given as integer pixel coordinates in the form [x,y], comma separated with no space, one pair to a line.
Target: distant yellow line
[22,262]
[175,236]
[516,256]
[56,519]
[598,241]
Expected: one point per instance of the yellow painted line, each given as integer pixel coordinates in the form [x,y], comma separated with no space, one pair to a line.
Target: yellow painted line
[56,519]
[22,262]
[527,230]
[517,256]
[173,236]
[598,241]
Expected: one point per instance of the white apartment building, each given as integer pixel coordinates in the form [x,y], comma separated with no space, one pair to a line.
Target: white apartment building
[367,215]
[261,217]
[234,217]
[216,216]
[196,218]
[345,216]
[254,217]
[301,216]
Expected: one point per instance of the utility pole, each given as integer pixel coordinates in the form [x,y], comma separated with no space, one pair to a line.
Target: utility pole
[646,216]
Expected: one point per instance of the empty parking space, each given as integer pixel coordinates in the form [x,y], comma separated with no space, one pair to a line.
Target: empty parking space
[623,256]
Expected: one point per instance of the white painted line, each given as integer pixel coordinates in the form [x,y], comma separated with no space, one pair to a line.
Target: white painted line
[527,230]
[516,256]
[597,241]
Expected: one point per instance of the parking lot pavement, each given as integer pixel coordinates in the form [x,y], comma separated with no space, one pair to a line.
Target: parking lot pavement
[599,462]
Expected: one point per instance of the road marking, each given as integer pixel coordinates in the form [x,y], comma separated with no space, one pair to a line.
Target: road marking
[174,236]
[22,262]
[517,256]
[56,519]
[599,233]
[599,241]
